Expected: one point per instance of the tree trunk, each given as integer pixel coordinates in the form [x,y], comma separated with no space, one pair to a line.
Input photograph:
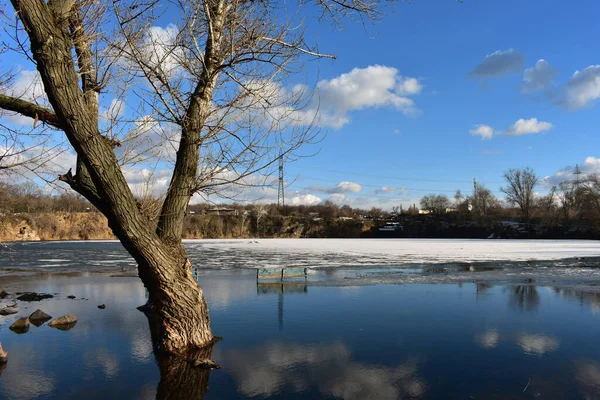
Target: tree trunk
[176,305]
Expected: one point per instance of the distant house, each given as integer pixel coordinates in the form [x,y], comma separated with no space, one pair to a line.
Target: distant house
[424,212]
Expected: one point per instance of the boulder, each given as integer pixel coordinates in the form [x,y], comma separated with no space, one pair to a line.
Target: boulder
[102,306]
[3,356]
[71,297]
[8,311]
[64,323]
[3,294]
[20,326]
[38,317]
[32,296]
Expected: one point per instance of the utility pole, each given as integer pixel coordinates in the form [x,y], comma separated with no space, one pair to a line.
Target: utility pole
[280,191]
[577,173]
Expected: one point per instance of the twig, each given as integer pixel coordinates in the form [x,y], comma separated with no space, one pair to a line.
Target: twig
[528,382]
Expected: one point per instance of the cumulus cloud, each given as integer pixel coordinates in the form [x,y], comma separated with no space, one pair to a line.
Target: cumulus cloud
[519,128]
[485,131]
[591,165]
[583,87]
[115,109]
[499,63]
[305,200]
[538,77]
[341,187]
[527,127]
[370,87]
[27,86]
[162,50]
[386,189]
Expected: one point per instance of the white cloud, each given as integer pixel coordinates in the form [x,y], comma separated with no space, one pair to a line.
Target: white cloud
[408,86]
[115,109]
[27,86]
[161,49]
[519,128]
[341,187]
[485,131]
[373,86]
[386,189]
[538,77]
[529,126]
[499,63]
[591,165]
[583,87]
[305,200]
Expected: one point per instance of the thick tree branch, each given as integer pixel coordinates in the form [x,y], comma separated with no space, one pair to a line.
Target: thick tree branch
[30,110]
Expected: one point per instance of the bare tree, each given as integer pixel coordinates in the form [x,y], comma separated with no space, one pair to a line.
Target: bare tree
[213,93]
[483,202]
[435,203]
[519,189]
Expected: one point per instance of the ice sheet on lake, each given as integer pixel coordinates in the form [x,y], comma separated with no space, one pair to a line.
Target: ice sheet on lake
[320,253]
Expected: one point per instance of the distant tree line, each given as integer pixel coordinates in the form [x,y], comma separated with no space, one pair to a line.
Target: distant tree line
[569,209]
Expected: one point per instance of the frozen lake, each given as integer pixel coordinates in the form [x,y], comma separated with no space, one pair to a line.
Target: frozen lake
[571,263]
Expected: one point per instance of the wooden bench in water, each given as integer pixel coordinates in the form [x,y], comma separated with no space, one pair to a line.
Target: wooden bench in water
[280,274]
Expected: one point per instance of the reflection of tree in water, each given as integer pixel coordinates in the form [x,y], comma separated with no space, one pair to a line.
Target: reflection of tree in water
[179,377]
[588,298]
[524,298]
[481,288]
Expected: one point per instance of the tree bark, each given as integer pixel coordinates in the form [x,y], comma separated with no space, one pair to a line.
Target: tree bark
[176,301]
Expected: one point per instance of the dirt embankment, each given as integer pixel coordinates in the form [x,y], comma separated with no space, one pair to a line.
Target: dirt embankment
[54,226]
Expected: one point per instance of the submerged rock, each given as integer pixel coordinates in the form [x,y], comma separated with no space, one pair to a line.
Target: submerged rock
[20,326]
[32,296]
[64,323]
[38,317]
[8,311]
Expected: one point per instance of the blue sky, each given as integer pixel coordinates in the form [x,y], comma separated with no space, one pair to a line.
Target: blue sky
[441,43]
[436,94]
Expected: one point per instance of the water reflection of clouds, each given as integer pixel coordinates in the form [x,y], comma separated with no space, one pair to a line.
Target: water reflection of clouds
[270,368]
[530,343]
[103,358]
[587,373]
[488,339]
[536,344]
[22,380]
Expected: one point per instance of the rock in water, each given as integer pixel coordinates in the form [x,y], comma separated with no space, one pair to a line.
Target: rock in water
[8,311]
[20,326]
[3,294]
[204,363]
[71,297]
[64,323]
[3,356]
[38,317]
[102,306]
[32,296]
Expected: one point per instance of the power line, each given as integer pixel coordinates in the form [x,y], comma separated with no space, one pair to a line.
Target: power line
[392,176]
